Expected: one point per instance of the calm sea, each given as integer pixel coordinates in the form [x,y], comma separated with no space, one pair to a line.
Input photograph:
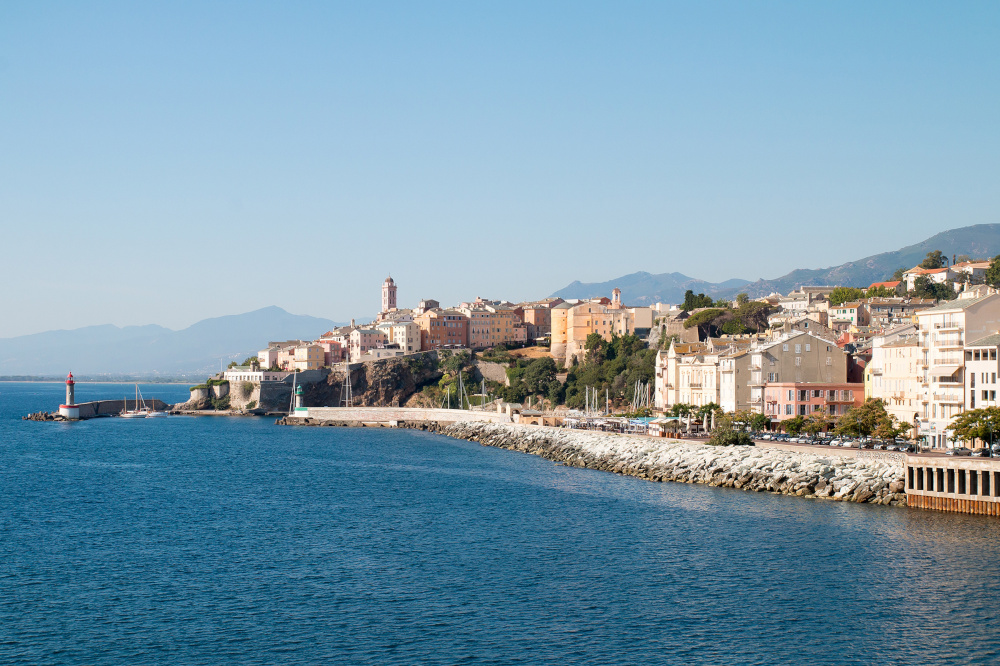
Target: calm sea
[215,540]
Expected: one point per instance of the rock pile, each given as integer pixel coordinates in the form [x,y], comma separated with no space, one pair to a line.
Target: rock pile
[42,416]
[748,468]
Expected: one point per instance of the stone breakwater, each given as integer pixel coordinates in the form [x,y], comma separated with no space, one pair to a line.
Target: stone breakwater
[744,467]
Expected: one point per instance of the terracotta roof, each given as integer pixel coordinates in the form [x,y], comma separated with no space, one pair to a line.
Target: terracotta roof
[887,285]
[988,341]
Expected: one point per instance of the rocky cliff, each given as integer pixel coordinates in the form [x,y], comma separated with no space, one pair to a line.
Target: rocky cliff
[387,382]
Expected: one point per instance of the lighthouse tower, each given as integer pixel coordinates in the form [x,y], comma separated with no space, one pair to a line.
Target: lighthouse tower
[388,295]
[298,399]
[70,409]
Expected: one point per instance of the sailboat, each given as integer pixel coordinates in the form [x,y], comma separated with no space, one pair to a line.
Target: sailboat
[137,413]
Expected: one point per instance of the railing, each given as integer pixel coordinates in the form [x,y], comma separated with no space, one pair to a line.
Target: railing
[947,326]
[949,397]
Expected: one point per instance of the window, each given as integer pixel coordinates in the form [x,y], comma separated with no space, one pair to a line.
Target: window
[798,361]
[986,395]
[808,346]
[798,349]
[784,347]
[993,395]
[802,410]
[829,360]
[817,393]
[788,410]
[803,395]
[791,394]
[831,395]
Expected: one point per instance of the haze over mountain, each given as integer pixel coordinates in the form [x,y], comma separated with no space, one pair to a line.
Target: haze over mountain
[154,350]
[979,241]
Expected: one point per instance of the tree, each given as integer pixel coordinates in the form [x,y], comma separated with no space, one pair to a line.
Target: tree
[982,424]
[760,422]
[933,260]
[793,426]
[923,287]
[692,302]
[870,419]
[962,258]
[841,295]
[880,292]
[728,433]
[993,272]
[705,321]
[753,315]
[742,298]
[898,274]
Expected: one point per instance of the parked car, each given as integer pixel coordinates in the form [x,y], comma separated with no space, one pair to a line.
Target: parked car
[982,453]
[958,451]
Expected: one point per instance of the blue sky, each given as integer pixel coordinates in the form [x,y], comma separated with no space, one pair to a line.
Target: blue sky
[166,163]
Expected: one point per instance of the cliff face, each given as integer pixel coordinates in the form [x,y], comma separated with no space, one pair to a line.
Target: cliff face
[385,383]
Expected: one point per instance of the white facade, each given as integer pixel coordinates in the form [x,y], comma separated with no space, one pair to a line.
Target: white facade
[981,370]
[944,331]
[256,376]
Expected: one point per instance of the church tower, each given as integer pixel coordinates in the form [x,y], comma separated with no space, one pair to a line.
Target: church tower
[388,295]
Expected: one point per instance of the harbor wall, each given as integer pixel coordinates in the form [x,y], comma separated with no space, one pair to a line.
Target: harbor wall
[399,414]
[89,410]
[865,480]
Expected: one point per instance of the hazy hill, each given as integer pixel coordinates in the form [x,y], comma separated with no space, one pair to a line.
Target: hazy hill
[646,289]
[978,241]
[154,350]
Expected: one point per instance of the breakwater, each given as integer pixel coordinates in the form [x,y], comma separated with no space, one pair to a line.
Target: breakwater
[744,467]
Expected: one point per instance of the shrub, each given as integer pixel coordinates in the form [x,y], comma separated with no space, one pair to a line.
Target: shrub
[220,404]
[252,405]
[246,388]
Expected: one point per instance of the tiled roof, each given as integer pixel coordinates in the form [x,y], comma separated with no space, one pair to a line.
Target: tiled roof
[957,304]
[988,341]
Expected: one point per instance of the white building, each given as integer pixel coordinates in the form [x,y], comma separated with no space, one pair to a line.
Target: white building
[981,369]
[406,334]
[944,331]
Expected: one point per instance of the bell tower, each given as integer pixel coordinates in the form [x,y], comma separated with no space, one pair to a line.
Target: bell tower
[388,295]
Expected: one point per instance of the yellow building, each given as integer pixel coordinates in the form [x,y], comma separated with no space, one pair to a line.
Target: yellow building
[573,322]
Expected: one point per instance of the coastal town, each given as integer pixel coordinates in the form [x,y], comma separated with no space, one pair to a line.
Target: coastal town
[925,345]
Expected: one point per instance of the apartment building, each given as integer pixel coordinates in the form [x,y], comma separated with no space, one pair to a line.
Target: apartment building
[573,322]
[846,315]
[981,369]
[798,358]
[786,400]
[943,333]
[440,329]
[696,373]
[404,334]
[893,374]
[363,340]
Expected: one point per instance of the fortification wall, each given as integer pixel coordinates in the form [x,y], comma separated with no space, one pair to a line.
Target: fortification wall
[407,414]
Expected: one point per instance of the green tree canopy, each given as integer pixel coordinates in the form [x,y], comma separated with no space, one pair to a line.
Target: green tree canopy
[933,259]
[841,295]
[993,272]
[923,287]
[693,302]
[870,419]
[898,274]
[982,424]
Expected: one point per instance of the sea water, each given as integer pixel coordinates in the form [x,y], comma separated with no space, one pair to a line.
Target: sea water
[233,540]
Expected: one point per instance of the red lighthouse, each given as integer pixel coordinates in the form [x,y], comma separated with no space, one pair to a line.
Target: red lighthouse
[70,410]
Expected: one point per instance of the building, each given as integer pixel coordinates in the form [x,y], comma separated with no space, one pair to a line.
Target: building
[388,295]
[847,315]
[786,400]
[573,322]
[443,329]
[308,357]
[244,373]
[333,351]
[796,358]
[937,275]
[404,334]
[892,375]
[363,340]
[702,373]
[943,333]
[492,325]
[885,313]
[981,368]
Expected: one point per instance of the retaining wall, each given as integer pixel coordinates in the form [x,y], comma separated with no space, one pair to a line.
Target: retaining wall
[396,414]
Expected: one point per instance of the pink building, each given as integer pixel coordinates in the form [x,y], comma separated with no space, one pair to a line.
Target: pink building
[784,400]
[333,351]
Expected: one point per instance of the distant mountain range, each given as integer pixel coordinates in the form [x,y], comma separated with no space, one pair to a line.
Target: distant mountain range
[147,351]
[977,241]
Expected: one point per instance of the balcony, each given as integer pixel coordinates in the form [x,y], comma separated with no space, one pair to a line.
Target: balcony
[947,327]
[950,398]
[950,343]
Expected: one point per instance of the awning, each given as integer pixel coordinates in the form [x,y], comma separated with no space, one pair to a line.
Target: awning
[944,370]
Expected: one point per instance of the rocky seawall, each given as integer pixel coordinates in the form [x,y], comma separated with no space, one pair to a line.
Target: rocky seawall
[744,467]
